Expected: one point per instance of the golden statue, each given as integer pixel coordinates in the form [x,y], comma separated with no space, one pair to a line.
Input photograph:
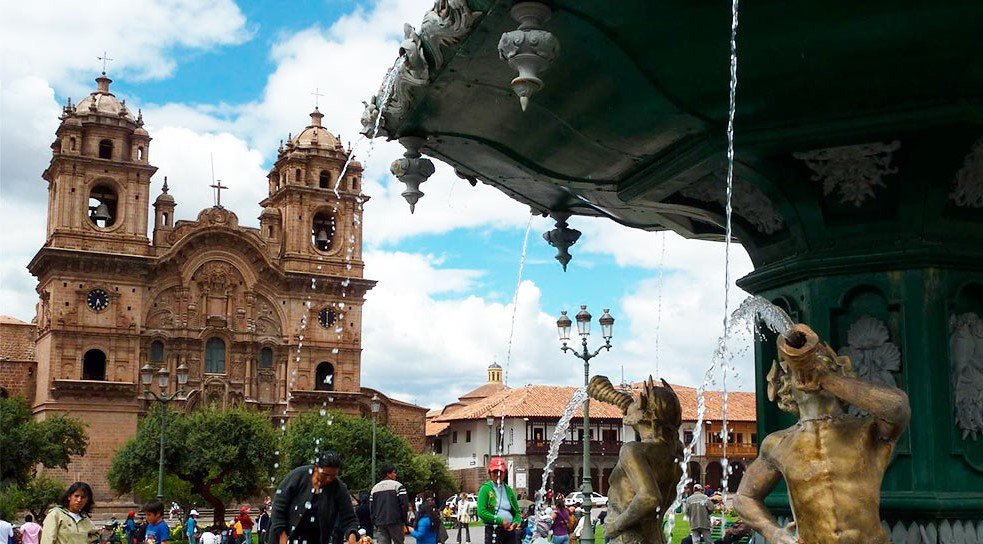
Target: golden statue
[833,462]
[643,483]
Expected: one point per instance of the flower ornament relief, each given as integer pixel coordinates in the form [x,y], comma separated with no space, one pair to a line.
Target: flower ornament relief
[873,354]
[966,352]
[853,171]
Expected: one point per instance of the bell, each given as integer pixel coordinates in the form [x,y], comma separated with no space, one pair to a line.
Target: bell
[322,236]
[101,213]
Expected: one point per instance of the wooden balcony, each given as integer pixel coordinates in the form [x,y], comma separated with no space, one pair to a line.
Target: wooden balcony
[573,447]
[733,450]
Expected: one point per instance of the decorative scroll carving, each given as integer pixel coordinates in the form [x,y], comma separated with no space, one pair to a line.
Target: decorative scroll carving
[748,201]
[966,352]
[968,185]
[872,353]
[853,171]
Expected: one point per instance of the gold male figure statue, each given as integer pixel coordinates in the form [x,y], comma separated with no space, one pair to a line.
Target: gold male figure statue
[643,483]
[833,462]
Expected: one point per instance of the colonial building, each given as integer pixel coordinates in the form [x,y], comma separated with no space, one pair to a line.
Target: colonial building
[269,318]
[468,433]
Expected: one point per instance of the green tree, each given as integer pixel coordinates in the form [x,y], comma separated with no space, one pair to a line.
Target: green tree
[26,443]
[222,455]
[352,438]
[35,496]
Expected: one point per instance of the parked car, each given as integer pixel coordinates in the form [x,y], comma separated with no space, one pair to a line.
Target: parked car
[471,501]
[577,498]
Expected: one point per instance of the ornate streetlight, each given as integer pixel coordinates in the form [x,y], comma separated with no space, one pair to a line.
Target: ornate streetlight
[163,381]
[563,324]
[375,406]
[490,419]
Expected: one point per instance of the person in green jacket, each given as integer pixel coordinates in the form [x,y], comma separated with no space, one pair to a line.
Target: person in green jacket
[69,522]
[498,507]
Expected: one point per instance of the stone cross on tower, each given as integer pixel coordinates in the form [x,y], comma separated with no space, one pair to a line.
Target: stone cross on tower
[104,58]
[218,192]
[316,94]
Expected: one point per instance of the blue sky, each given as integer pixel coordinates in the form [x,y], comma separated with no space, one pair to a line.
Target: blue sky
[229,80]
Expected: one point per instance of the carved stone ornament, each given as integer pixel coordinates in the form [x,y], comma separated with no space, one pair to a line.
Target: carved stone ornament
[853,171]
[562,237]
[968,185]
[872,353]
[412,169]
[747,200]
[966,351]
[529,50]
[443,27]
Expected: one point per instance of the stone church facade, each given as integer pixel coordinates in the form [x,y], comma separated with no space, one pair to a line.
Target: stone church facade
[266,318]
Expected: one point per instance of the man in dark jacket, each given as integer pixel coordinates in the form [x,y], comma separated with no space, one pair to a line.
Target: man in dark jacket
[310,502]
[389,508]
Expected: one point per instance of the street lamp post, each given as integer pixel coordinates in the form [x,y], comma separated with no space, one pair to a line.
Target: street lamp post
[375,405]
[163,381]
[563,324]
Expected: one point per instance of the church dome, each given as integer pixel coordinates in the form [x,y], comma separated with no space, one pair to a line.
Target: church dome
[164,197]
[101,101]
[270,212]
[315,135]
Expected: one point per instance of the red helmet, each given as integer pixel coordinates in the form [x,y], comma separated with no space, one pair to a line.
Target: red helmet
[497,463]
[130,514]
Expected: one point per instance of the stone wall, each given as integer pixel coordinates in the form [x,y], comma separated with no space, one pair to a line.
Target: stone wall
[17,366]
[409,421]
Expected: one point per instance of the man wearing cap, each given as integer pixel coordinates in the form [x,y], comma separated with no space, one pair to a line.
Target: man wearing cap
[698,508]
[498,507]
[310,502]
[191,526]
[389,505]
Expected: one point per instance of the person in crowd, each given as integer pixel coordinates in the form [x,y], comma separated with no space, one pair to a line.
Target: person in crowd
[130,527]
[6,530]
[157,530]
[427,523]
[30,532]
[246,523]
[364,514]
[462,518]
[562,521]
[263,524]
[310,501]
[735,533]
[191,525]
[389,505]
[698,508]
[210,536]
[498,508]
[69,522]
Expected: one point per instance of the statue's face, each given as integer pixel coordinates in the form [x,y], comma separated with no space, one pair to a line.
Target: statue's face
[634,413]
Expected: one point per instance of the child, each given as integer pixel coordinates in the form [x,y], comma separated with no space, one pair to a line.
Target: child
[363,538]
[157,530]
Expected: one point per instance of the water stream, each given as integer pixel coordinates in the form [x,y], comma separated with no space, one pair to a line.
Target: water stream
[576,401]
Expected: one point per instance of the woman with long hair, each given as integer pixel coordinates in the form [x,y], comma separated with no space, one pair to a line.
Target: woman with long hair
[69,522]
[427,523]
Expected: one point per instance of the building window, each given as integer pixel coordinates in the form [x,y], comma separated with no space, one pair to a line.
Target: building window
[324,180]
[215,356]
[140,153]
[754,438]
[467,436]
[106,149]
[156,351]
[324,377]
[297,175]
[740,438]
[94,365]
[71,143]
[322,231]
[354,184]
[102,206]
[438,446]
[266,358]
[454,437]
[687,437]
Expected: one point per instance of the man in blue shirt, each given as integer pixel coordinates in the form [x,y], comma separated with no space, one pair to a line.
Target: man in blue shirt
[157,530]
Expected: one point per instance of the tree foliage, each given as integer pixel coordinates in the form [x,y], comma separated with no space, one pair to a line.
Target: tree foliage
[26,443]
[222,455]
[352,438]
[39,493]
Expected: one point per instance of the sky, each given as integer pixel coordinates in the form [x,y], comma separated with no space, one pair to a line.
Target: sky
[229,80]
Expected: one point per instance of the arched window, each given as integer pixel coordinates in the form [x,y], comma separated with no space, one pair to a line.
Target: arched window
[297,175]
[156,351]
[106,149]
[324,180]
[102,206]
[354,184]
[140,153]
[94,365]
[71,142]
[322,230]
[215,356]
[266,358]
[324,377]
